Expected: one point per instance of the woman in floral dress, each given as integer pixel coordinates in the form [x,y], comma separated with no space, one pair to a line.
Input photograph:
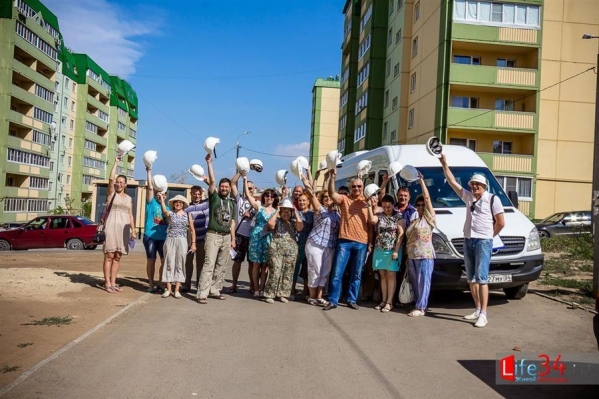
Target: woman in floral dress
[390,227]
[421,253]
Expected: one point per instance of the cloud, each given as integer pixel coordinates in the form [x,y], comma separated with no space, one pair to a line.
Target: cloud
[298,149]
[104,31]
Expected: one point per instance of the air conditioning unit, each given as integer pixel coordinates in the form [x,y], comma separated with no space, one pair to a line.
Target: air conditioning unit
[54,138]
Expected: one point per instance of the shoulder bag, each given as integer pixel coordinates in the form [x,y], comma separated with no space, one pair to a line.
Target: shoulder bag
[100,235]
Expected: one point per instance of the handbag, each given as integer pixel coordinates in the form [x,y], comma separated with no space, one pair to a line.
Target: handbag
[406,294]
[100,235]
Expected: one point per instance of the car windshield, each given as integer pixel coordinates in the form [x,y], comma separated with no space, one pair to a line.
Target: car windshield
[84,220]
[442,195]
[554,218]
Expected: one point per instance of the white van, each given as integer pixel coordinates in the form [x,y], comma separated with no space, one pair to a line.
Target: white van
[512,267]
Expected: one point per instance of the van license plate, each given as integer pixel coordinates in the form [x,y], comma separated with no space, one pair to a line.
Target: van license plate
[500,278]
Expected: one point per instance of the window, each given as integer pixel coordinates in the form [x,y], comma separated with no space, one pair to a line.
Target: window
[90,145]
[103,115]
[41,138]
[386,98]
[360,132]
[502,147]
[365,18]
[74,87]
[411,118]
[504,105]
[363,74]
[417,11]
[66,83]
[522,185]
[362,102]
[393,136]
[70,142]
[343,99]
[38,182]
[343,122]
[398,36]
[90,127]
[87,179]
[466,59]
[364,46]
[464,143]
[51,166]
[496,14]
[390,37]
[27,158]
[132,133]
[69,162]
[69,178]
[415,47]
[41,115]
[35,40]
[413,82]
[505,63]
[14,205]
[399,4]
[388,68]
[341,146]
[464,102]
[63,121]
[65,102]
[396,69]
[72,124]
[385,127]
[94,163]
[44,93]
[72,105]
[394,103]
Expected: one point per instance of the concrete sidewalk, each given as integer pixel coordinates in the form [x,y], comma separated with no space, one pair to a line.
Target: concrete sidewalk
[243,348]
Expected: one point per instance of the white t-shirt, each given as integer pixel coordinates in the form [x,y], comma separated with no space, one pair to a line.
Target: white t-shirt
[479,224]
[244,224]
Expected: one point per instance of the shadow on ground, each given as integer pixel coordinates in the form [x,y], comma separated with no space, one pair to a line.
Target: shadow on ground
[96,282]
[484,370]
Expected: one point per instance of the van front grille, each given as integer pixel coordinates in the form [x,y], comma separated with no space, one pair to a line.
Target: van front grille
[513,246]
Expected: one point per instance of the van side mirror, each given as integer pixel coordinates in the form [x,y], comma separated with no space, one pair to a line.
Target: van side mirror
[513,196]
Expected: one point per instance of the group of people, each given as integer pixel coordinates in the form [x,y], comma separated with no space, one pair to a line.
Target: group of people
[316,235]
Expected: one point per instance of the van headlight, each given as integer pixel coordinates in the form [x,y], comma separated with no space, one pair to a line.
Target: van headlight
[534,241]
[441,246]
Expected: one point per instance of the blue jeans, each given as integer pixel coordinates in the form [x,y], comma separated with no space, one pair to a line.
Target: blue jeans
[477,259]
[347,251]
[420,274]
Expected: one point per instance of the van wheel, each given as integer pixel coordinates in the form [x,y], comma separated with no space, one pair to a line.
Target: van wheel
[75,244]
[518,292]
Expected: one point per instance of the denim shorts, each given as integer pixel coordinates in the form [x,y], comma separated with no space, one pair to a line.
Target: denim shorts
[477,259]
[152,247]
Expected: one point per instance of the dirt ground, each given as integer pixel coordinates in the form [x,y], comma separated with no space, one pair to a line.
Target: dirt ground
[38,284]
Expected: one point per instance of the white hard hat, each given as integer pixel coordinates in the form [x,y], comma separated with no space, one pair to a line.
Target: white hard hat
[281,177]
[210,145]
[197,171]
[242,164]
[322,165]
[409,173]
[394,168]
[150,158]
[434,147]
[370,190]
[296,168]
[124,147]
[286,203]
[363,167]
[160,184]
[333,159]
[256,164]
[303,161]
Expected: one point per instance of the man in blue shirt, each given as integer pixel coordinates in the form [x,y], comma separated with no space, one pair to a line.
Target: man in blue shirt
[154,233]
[199,214]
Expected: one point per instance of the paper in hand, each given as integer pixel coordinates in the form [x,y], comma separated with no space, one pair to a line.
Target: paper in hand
[233,253]
[498,243]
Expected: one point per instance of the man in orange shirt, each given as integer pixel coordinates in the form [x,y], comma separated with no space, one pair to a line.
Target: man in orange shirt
[355,240]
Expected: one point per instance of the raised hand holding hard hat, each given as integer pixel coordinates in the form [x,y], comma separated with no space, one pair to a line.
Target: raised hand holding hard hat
[322,165]
[256,164]
[434,147]
[242,164]
[393,169]
[363,167]
[281,177]
[197,171]
[149,158]
[370,190]
[333,160]
[160,183]
[124,147]
[409,173]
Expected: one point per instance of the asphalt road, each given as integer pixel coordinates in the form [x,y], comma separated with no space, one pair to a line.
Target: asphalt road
[244,348]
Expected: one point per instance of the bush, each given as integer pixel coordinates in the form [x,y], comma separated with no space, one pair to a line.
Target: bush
[579,246]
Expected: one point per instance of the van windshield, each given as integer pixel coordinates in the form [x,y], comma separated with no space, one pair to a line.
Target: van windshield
[442,195]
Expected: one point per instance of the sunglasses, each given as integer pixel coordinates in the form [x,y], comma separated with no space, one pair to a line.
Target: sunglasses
[419,205]
[268,196]
[250,188]
[356,186]
[473,206]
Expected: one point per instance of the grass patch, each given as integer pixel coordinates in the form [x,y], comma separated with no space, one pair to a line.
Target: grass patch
[24,345]
[580,299]
[575,247]
[10,369]
[584,286]
[52,321]
[557,265]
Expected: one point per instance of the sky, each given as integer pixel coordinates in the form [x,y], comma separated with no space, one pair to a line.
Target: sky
[213,68]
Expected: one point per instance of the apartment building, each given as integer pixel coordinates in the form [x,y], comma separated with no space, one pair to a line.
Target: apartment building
[65,117]
[495,76]
[325,119]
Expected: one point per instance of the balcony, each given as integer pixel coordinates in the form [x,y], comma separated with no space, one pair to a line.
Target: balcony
[23,169]
[97,104]
[28,122]
[95,138]
[491,120]
[479,75]
[32,75]
[495,34]
[97,86]
[31,99]
[33,51]
[511,163]
[96,121]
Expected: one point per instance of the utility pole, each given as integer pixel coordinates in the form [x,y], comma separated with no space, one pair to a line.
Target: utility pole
[238,146]
[595,199]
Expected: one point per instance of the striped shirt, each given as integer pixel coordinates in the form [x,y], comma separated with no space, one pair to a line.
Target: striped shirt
[354,219]
[326,228]
[199,214]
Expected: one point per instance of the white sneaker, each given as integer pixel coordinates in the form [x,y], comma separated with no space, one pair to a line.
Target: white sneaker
[472,316]
[270,300]
[283,299]
[481,322]
[166,294]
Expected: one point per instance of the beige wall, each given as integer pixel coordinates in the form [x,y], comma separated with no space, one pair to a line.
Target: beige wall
[566,115]
[329,123]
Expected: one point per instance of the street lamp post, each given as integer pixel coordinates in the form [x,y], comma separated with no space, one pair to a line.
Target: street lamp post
[238,146]
[595,202]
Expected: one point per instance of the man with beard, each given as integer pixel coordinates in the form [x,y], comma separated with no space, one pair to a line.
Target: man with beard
[220,237]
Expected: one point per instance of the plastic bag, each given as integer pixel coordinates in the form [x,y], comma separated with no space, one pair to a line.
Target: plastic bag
[406,294]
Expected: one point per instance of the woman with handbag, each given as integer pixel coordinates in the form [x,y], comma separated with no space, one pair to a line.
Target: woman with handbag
[119,227]
[421,253]
[390,227]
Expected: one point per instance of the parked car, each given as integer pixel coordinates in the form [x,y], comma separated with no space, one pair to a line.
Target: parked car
[10,226]
[565,224]
[52,231]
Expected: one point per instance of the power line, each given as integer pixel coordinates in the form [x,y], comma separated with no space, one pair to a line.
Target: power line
[172,77]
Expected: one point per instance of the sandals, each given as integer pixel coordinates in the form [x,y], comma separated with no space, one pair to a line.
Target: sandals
[177,295]
[117,288]
[380,306]
[313,302]
[109,289]
[387,308]
[166,294]
[322,302]
[202,301]
[219,297]
[416,313]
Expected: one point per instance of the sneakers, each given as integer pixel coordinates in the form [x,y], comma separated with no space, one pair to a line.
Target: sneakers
[166,294]
[472,316]
[283,299]
[177,295]
[256,294]
[482,321]
[269,300]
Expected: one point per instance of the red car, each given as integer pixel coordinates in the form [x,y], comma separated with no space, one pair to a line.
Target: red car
[52,231]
